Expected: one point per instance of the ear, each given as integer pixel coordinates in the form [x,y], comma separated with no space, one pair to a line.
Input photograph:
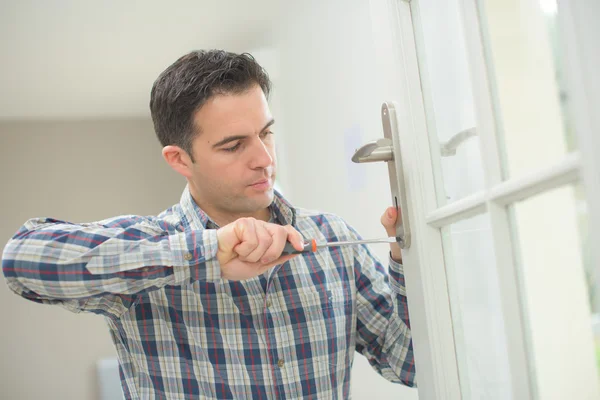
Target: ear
[178,159]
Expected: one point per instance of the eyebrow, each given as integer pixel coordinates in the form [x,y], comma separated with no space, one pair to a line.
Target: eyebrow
[238,137]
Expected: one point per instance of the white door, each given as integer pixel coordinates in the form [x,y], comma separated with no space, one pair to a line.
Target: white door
[500,275]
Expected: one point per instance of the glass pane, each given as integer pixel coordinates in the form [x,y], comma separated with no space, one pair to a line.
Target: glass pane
[592,275]
[521,38]
[476,310]
[549,9]
[448,99]
[561,289]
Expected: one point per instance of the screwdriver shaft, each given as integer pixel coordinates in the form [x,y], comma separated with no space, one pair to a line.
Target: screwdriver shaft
[351,242]
[311,245]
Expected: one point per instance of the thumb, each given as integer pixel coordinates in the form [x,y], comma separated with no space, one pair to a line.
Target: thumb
[388,220]
[228,237]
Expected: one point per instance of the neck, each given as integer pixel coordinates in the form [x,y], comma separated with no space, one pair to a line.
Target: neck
[223,218]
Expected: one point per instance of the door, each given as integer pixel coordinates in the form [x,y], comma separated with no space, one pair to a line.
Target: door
[503,290]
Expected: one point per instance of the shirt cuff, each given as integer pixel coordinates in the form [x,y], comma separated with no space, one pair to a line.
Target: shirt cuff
[195,256]
[396,271]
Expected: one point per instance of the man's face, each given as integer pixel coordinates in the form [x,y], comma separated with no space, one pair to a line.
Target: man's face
[234,169]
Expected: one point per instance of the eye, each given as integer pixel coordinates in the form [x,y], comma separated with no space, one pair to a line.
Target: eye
[233,148]
[266,133]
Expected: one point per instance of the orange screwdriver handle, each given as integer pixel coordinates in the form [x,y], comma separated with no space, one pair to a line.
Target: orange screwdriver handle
[309,245]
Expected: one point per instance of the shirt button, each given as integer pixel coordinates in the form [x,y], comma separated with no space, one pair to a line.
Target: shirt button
[188,256]
[280,363]
[268,303]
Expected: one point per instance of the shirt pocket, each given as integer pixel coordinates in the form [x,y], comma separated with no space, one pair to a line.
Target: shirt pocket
[326,305]
[329,325]
[324,297]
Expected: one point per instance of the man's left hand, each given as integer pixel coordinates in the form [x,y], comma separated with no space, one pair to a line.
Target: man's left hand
[388,220]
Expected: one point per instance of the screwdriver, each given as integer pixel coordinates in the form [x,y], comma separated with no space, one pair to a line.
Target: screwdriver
[312,246]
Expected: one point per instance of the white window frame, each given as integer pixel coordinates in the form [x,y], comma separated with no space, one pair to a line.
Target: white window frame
[580,30]
[426,278]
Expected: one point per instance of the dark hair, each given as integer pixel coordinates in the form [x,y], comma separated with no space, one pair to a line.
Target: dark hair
[184,87]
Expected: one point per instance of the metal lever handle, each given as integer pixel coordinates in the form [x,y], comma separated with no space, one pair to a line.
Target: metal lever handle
[388,150]
[380,150]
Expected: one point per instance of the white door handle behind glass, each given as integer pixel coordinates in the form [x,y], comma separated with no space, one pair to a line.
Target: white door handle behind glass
[388,150]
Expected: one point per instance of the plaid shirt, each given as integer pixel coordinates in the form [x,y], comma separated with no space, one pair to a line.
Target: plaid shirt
[181,331]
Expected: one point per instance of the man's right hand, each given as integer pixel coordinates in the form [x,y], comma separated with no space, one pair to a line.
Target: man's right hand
[248,247]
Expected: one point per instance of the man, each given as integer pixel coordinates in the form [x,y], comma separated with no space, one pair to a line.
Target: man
[200,301]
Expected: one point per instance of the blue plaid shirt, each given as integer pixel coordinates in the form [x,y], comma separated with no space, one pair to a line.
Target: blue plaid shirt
[183,332]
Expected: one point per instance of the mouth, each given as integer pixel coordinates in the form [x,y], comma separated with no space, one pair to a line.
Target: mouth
[261,184]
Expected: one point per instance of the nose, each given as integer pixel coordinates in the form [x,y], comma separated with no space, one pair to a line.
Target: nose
[260,155]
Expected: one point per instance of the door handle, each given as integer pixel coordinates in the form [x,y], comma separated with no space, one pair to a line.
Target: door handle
[449,148]
[380,150]
[388,150]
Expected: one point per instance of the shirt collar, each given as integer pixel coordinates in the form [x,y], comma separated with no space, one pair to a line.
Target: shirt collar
[282,212]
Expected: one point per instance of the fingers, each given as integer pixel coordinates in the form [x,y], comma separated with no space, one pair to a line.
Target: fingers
[281,235]
[271,256]
[388,220]
[228,237]
[294,237]
[249,247]
[246,235]
[258,243]
[264,267]
[263,242]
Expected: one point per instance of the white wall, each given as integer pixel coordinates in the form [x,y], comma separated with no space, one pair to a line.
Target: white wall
[330,99]
[66,58]
[77,171]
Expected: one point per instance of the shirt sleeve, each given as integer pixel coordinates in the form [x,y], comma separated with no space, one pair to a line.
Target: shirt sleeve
[101,267]
[383,326]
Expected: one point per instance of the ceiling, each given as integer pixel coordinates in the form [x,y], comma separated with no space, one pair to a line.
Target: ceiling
[94,59]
